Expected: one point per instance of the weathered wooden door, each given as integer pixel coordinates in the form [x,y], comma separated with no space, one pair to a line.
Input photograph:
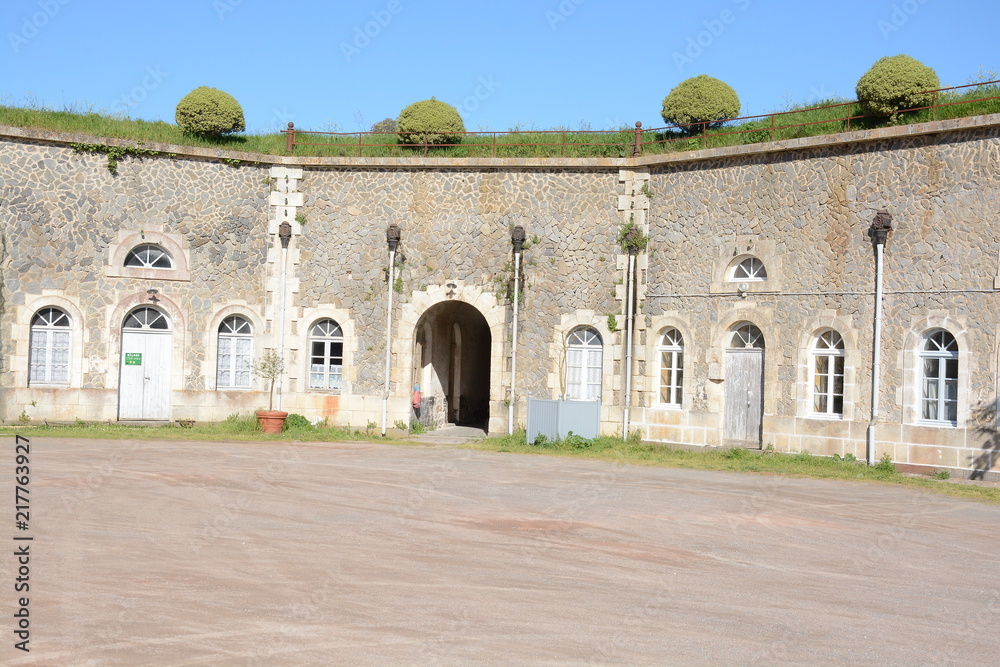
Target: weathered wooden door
[144,388]
[744,396]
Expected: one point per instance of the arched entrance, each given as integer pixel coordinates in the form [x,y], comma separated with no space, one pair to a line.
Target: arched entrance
[451,359]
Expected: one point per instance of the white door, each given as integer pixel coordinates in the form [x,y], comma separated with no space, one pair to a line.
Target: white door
[144,390]
[744,396]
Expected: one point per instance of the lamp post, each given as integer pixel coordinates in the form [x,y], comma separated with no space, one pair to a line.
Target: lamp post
[631,240]
[879,232]
[517,240]
[284,235]
[392,235]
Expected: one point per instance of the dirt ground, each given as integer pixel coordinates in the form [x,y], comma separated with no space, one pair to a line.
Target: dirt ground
[198,553]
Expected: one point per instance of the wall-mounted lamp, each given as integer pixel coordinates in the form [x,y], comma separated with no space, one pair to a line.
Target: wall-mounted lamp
[742,289]
[392,235]
[284,233]
[152,292]
[517,237]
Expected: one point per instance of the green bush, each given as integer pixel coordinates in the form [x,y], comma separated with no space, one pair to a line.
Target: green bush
[295,420]
[209,113]
[385,125]
[701,99]
[430,121]
[894,83]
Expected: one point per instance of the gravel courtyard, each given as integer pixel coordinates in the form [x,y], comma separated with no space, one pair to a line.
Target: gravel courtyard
[270,553]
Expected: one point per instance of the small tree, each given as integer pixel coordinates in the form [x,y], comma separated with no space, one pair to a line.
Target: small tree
[209,112]
[895,83]
[270,367]
[385,125]
[430,121]
[700,99]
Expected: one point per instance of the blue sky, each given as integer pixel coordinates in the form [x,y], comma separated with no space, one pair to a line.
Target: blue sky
[344,65]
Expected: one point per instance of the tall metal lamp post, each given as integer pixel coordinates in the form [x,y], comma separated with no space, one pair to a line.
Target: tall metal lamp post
[879,232]
[392,235]
[517,240]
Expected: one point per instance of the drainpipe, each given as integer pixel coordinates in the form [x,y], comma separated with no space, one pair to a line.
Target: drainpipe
[878,231]
[628,340]
[516,238]
[392,235]
[284,235]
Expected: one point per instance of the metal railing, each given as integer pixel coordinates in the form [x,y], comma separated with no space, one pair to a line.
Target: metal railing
[766,127]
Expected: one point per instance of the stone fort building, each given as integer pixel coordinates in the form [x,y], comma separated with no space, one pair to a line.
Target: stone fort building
[146,295]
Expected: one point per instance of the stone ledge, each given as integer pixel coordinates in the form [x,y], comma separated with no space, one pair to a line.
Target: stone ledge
[805,143]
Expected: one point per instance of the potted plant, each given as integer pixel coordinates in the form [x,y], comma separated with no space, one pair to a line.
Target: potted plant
[270,367]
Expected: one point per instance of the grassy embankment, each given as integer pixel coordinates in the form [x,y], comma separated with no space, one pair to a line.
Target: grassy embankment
[810,120]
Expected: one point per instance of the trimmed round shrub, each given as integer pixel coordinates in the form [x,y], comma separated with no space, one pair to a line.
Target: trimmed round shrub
[430,121]
[701,99]
[209,112]
[894,83]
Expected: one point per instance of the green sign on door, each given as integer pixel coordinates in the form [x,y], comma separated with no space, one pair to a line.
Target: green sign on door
[133,358]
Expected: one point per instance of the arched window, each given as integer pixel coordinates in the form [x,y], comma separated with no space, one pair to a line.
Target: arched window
[326,355]
[746,336]
[828,374]
[235,353]
[939,377]
[148,319]
[50,339]
[149,256]
[671,367]
[584,365]
[749,269]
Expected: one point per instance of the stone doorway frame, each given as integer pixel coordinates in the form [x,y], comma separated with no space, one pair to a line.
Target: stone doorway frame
[404,342]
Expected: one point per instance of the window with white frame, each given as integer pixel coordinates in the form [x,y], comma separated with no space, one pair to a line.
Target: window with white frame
[233,368]
[828,374]
[147,319]
[746,336]
[939,378]
[584,365]
[50,340]
[671,367]
[149,256]
[326,355]
[749,269]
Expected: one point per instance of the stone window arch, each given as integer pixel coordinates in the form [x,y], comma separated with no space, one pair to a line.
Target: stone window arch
[49,357]
[149,256]
[749,269]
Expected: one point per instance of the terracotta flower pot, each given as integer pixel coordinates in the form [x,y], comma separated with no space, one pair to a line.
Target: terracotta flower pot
[271,421]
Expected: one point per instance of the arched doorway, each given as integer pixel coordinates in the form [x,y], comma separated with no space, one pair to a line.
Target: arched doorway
[144,389]
[451,359]
[744,386]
